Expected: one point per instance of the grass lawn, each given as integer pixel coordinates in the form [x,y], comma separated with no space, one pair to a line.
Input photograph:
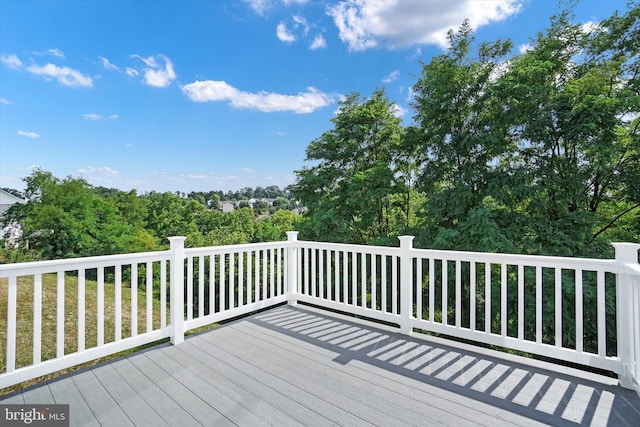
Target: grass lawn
[24,327]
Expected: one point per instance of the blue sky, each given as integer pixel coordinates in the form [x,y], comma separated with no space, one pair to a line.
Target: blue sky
[189,95]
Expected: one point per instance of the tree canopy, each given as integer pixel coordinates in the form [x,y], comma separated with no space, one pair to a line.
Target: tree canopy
[65,218]
[532,152]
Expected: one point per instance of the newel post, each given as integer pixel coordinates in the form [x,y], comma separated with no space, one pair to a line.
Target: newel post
[406,284]
[292,268]
[627,311]
[176,288]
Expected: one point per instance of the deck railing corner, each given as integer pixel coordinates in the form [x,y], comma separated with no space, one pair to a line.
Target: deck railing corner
[292,268]
[406,284]
[628,314]
[176,305]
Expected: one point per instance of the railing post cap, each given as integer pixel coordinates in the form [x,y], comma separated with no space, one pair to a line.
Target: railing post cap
[176,241]
[406,241]
[292,235]
[626,252]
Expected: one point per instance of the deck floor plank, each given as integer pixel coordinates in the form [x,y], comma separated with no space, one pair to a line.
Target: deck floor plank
[102,404]
[300,395]
[373,398]
[155,397]
[246,397]
[65,391]
[125,396]
[189,401]
[265,386]
[337,396]
[413,396]
[301,366]
[183,369]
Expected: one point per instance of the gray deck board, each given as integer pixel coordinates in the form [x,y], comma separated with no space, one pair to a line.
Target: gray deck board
[65,391]
[106,409]
[264,386]
[301,366]
[190,403]
[340,388]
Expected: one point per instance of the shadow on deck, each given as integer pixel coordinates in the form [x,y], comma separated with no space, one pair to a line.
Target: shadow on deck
[301,366]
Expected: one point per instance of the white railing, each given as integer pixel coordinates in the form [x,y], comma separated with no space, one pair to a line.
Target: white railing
[218,283]
[585,311]
[48,282]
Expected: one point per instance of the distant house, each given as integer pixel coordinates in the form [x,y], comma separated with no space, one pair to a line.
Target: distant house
[6,201]
[10,232]
[300,210]
[228,207]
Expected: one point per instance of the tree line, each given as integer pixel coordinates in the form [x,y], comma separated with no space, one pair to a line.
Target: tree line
[67,217]
[535,151]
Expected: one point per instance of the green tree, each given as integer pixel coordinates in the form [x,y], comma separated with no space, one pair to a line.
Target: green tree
[458,141]
[570,104]
[349,191]
[66,218]
[171,215]
[275,227]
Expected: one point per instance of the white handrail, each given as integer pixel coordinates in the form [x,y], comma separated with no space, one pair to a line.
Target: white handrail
[433,290]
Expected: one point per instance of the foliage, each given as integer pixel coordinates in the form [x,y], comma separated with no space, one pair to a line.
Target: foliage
[65,218]
[349,192]
[536,153]
[69,218]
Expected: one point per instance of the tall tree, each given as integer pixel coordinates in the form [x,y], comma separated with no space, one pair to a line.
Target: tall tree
[458,140]
[348,192]
[572,104]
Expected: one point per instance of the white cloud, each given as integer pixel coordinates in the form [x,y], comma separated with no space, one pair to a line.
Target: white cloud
[398,111]
[318,43]
[301,22]
[106,64]
[402,23]
[65,75]
[28,134]
[155,74]
[591,27]
[283,34]
[298,29]
[392,76]
[52,52]
[524,48]
[131,72]
[99,175]
[93,116]
[4,101]
[259,6]
[262,6]
[248,170]
[103,170]
[304,102]
[193,176]
[11,61]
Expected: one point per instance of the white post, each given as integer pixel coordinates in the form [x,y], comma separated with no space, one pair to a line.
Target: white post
[292,268]
[176,284]
[406,284]
[626,253]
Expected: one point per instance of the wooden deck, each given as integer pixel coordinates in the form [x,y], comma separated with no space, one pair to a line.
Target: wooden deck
[300,366]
